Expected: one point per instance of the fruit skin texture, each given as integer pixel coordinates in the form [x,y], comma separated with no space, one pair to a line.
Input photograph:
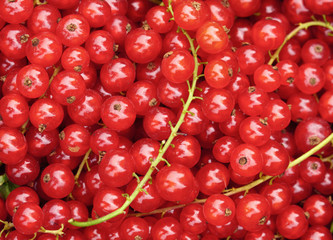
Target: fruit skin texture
[292,223]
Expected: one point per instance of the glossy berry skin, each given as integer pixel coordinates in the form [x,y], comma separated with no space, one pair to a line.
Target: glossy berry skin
[219,209]
[213,178]
[319,209]
[326,106]
[97,12]
[41,144]
[192,219]
[142,151]
[75,59]
[190,15]
[143,202]
[103,140]
[86,110]
[100,46]
[158,19]
[267,78]
[178,66]
[186,151]
[193,124]
[265,233]
[14,110]
[268,34]
[32,81]
[24,172]
[13,39]
[292,223]
[217,73]
[46,114]
[255,131]
[73,30]
[13,145]
[170,94]
[278,195]
[174,40]
[16,11]
[117,75]
[119,26]
[116,168]
[156,123]
[310,78]
[57,180]
[118,113]
[275,158]
[19,196]
[74,140]
[28,218]
[64,4]
[252,101]
[315,51]
[56,213]
[107,200]
[211,37]
[310,132]
[223,148]
[250,57]
[312,170]
[44,49]
[217,105]
[252,212]
[220,13]
[43,18]
[134,227]
[143,46]
[317,232]
[143,95]
[277,113]
[167,228]
[246,160]
[67,87]
[245,9]
[175,183]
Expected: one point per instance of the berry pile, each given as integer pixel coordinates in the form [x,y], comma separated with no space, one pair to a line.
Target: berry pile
[166,120]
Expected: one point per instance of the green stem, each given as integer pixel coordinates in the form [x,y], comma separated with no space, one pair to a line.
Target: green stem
[55,73]
[84,162]
[294,32]
[163,149]
[249,186]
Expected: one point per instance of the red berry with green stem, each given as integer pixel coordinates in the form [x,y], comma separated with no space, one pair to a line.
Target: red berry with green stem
[174,183]
[56,213]
[116,168]
[103,140]
[156,123]
[190,14]
[218,104]
[320,210]
[158,18]
[178,65]
[213,178]
[277,114]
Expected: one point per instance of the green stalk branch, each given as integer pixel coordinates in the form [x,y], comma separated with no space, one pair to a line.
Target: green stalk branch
[83,162]
[164,145]
[245,188]
[293,33]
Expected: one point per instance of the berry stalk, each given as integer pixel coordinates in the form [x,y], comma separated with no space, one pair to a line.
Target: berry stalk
[164,145]
[301,26]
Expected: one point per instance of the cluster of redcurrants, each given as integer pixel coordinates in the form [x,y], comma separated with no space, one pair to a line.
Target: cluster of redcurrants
[96,87]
